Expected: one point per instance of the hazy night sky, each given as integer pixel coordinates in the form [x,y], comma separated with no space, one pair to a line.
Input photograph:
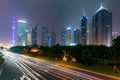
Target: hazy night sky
[53,13]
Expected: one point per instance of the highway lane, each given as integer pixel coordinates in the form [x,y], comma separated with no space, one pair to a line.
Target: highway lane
[9,71]
[20,67]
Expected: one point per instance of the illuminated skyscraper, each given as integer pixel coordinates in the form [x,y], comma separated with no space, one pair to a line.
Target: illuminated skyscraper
[102,27]
[114,35]
[34,35]
[22,34]
[45,37]
[13,32]
[63,36]
[76,36]
[84,30]
[29,37]
[68,36]
[53,38]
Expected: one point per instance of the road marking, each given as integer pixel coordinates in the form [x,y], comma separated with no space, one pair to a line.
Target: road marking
[24,77]
[0,71]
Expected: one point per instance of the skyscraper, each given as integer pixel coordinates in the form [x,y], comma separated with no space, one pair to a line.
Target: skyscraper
[84,30]
[53,38]
[89,34]
[34,35]
[63,36]
[68,36]
[22,36]
[45,37]
[76,36]
[29,37]
[102,27]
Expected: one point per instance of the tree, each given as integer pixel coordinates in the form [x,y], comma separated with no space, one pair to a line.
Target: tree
[87,56]
[114,53]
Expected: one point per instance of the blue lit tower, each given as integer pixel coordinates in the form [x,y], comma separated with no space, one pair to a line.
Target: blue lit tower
[76,36]
[45,37]
[34,35]
[22,34]
[13,32]
[63,36]
[53,38]
[102,27]
[84,30]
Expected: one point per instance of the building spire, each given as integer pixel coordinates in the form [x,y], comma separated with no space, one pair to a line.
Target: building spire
[84,13]
[101,5]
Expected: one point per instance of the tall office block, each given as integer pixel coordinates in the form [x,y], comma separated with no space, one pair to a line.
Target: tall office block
[68,36]
[29,37]
[34,35]
[102,27]
[63,36]
[22,36]
[53,38]
[45,37]
[84,30]
[76,36]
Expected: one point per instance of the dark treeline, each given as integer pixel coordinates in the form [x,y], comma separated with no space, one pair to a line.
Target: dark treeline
[85,54]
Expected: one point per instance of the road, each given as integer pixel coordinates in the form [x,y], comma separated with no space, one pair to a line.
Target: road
[20,67]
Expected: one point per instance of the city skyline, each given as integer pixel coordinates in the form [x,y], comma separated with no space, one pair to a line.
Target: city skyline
[75,12]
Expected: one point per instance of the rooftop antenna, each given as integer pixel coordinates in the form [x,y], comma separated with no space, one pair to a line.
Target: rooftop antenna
[101,5]
[83,13]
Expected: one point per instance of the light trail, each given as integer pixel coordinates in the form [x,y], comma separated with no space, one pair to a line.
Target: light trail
[38,69]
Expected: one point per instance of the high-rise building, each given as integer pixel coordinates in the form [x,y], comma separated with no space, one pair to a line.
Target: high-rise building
[76,36]
[29,37]
[102,27]
[114,35]
[63,36]
[22,36]
[89,34]
[53,38]
[34,35]
[45,37]
[84,30]
[68,36]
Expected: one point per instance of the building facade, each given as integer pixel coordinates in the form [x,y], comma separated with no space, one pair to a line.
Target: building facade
[84,30]
[102,27]
[34,35]
[45,37]
[76,36]
[29,37]
[63,36]
[22,34]
[53,38]
[68,36]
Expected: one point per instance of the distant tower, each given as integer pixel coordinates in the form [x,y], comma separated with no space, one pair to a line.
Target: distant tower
[13,31]
[84,30]
[76,36]
[114,35]
[34,35]
[53,38]
[68,36]
[22,34]
[102,27]
[29,37]
[45,37]
[63,36]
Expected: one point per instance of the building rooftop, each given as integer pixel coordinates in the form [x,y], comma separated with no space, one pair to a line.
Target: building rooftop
[22,21]
[101,8]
